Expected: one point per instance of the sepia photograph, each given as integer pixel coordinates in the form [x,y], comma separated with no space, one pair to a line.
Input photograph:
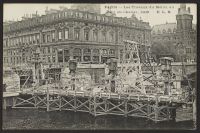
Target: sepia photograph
[99,66]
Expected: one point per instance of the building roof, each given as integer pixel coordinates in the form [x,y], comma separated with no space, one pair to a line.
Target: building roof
[164,28]
[167,28]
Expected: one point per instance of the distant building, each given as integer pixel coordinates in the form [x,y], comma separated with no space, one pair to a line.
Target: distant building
[181,35]
[83,34]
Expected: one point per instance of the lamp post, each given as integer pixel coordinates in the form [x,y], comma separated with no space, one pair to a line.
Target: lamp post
[166,73]
[72,68]
[112,65]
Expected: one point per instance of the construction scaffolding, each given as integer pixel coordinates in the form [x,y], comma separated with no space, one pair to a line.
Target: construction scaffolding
[129,89]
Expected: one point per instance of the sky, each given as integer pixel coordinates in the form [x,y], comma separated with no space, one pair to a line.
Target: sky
[153,13]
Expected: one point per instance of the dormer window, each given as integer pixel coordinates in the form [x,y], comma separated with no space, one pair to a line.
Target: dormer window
[164,31]
[81,15]
[169,30]
[77,14]
[65,13]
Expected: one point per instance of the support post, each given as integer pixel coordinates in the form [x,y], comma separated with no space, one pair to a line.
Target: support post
[106,105]
[168,111]
[60,102]
[148,109]
[4,103]
[156,110]
[14,102]
[194,107]
[95,106]
[126,108]
[47,99]
[90,107]
[35,101]
[75,103]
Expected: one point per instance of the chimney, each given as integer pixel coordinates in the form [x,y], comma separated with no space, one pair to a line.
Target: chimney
[188,9]
[46,11]
[183,7]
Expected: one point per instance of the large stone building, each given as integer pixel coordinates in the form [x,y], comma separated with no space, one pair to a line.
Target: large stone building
[83,34]
[180,36]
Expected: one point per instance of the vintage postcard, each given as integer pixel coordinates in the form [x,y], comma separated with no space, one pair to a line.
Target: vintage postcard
[119,66]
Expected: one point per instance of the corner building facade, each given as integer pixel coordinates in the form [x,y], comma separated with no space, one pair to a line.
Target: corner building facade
[71,33]
[182,35]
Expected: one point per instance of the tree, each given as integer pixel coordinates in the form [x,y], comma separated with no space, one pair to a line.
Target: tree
[166,48]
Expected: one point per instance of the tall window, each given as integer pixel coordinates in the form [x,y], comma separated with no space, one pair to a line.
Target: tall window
[17,41]
[53,59]
[48,38]
[49,59]
[34,38]
[112,51]
[188,50]
[38,38]
[66,33]
[95,35]
[53,36]
[44,38]
[86,35]
[60,55]
[59,35]
[76,34]
[111,37]
[103,36]
[66,55]
[49,49]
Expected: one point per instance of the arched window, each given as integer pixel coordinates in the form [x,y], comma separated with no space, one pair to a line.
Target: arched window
[112,51]
[87,51]
[77,51]
[96,51]
[104,52]
[164,31]
[169,30]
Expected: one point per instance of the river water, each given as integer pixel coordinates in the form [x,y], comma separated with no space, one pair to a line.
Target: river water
[68,120]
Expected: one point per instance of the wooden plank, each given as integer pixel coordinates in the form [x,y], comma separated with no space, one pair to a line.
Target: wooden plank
[10,94]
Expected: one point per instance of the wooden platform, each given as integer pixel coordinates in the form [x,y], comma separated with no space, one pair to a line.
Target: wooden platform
[107,95]
[10,94]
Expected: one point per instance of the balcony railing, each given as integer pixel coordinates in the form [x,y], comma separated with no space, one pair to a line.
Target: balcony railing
[44,19]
